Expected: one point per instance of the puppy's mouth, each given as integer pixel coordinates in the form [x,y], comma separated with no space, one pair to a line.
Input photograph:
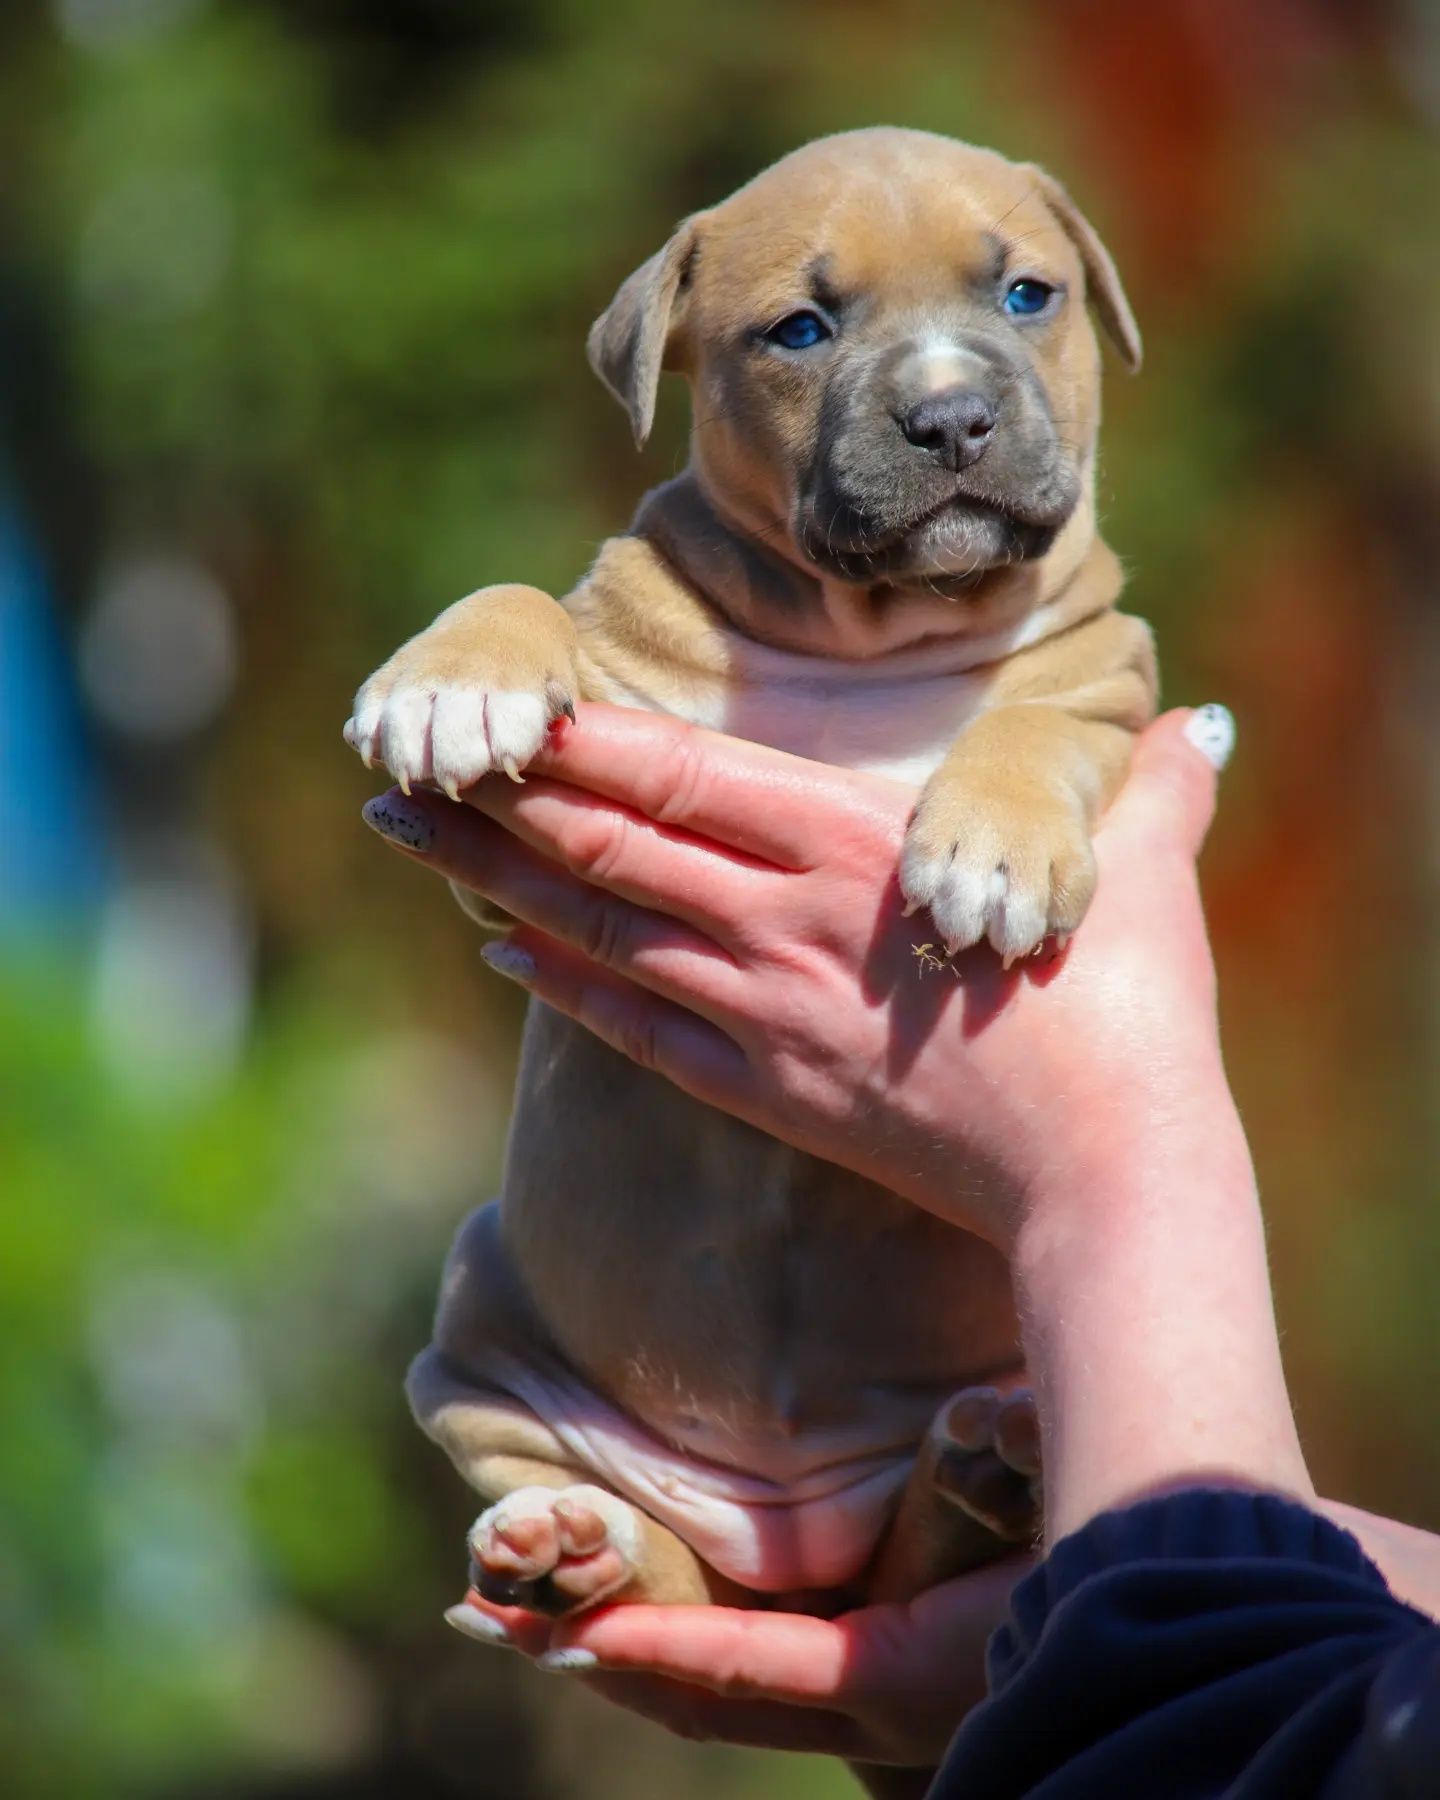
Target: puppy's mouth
[948,547]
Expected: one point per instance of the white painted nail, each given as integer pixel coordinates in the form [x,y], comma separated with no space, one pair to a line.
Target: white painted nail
[509,960]
[399,820]
[1211,729]
[470,1622]
[567,1662]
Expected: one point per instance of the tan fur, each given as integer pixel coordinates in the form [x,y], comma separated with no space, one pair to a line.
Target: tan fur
[742,1301]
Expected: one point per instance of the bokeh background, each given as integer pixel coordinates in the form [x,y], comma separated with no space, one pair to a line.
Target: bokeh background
[292,304]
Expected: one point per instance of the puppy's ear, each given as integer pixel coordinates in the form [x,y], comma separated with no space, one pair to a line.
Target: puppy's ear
[1101,276]
[627,343]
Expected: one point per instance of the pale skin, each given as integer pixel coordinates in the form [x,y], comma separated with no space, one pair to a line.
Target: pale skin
[729,916]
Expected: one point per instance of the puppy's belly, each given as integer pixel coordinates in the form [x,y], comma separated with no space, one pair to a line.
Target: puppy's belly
[752,1306]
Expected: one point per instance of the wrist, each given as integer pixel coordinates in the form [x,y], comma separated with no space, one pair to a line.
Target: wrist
[1127,1152]
[1148,1323]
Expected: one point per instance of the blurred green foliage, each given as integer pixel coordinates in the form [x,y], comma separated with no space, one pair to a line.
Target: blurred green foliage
[303,291]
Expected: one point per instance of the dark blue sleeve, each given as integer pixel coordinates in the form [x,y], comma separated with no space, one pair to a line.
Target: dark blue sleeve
[1209,1645]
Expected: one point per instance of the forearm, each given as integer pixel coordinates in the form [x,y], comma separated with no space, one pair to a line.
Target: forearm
[1149,1328]
[1407,1557]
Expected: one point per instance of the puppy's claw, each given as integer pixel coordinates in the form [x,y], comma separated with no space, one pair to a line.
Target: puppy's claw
[1009,960]
[512,769]
[452,788]
[404,781]
[909,910]
[558,700]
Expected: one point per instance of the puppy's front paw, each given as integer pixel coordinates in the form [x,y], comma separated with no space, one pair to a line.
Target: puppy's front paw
[1013,872]
[476,692]
[554,1550]
[450,733]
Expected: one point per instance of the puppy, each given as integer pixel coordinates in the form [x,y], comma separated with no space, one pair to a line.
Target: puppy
[677,1359]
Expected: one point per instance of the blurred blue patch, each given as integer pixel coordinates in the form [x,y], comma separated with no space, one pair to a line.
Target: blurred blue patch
[52,855]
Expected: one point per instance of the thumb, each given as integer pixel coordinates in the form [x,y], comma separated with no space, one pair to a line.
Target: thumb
[1170,792]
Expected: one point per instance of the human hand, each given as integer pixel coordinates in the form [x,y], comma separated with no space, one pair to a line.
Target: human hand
[883,1684]
[730,916]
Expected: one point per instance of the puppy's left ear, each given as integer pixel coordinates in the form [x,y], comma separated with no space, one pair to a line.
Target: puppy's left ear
[1101,276]
[628,342]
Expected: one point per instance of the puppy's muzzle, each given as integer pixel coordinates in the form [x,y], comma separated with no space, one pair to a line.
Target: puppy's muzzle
[953,427]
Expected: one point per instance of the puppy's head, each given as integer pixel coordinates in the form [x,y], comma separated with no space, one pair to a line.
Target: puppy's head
[894,372]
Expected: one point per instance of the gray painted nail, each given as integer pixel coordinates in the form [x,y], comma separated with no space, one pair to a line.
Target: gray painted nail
[470,1622]
[567,1662]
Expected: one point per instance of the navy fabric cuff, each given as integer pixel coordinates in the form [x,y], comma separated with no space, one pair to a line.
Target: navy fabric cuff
[1190,1526]
[1208,1643]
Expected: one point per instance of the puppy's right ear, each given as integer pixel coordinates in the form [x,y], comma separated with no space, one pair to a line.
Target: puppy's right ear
[1102,278]
[628,342]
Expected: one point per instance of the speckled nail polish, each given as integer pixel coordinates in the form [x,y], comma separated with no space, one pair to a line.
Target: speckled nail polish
[509,960]
[399,819]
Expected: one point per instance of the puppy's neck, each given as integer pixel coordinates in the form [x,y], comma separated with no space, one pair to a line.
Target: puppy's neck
[752,576]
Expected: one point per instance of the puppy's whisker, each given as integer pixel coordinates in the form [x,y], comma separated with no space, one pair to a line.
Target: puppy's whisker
[1014,205]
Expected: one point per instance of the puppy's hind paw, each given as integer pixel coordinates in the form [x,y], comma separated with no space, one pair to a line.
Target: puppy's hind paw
[554,1550]
[988,1460]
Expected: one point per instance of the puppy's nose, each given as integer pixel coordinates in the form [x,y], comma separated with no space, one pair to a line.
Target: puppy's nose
[955,426]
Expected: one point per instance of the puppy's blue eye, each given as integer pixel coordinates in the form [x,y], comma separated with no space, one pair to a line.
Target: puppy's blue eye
[1026,296]
[798,331]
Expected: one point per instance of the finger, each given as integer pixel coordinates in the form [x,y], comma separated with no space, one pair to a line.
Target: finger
[581,839]
[777,807]
[692,1713]
[1172,784]
[610,846]
[653,1033]
[740,1655]
[664,954]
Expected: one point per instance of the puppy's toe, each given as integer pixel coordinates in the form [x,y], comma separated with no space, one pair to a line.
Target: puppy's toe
[988,1461]
[405,735]
[580,1527]
[1017,1433]
[517,1539]
[956,892]
[459,739]
[362,730]
[517,724]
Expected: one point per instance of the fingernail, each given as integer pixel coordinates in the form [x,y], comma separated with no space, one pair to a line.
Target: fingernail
[1211,729]
[470,1622]
[509,960]
[567,1662]
[399,819]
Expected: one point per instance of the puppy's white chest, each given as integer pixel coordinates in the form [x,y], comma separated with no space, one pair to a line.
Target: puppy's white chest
[899,729]
[898,721]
